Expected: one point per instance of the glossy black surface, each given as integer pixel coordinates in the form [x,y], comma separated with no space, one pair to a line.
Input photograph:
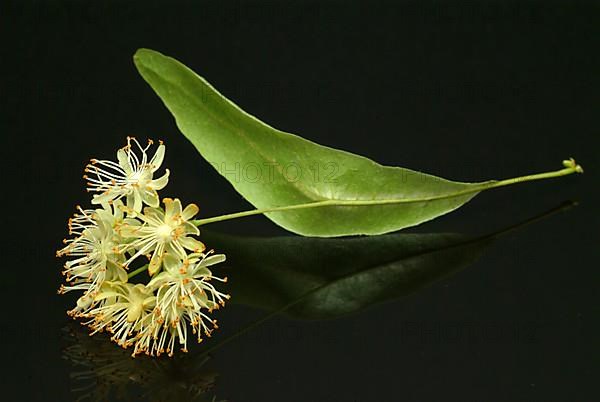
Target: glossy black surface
[464,91]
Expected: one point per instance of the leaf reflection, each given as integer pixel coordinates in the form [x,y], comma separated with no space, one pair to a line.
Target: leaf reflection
[316,278]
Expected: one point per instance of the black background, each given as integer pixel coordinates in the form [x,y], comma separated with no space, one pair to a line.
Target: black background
[467,91]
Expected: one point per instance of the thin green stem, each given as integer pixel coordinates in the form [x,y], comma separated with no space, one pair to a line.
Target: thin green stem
[137,271]
[570,168]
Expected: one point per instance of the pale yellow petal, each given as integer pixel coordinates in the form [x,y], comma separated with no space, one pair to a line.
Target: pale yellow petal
[118,209]
[124,161]
[171,262]
[213,259]
[189,212]
[155,263]
[192,244]
[176,249]
[150,197]
[104,197]
[190,228]
[134,312]
[157,159]
[172,208]
[136,201]
[161,182]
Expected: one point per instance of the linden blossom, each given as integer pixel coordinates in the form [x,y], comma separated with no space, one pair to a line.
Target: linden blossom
[183,292]
[163,232]
[152,317]
[95,248]
[131,177]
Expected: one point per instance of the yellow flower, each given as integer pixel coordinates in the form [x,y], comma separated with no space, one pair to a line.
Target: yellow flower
[131,177]
[124,310]
[163,232]
[106,241]
[95,249]
[184,294]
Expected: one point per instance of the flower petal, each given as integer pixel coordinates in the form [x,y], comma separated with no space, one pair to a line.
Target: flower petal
[129,228]
[192,244]
[105,197]
[172,208]
[212,260]
[153,216]
[158,280]
[161,182]
[129,201]
[122,274]
[134,312]
[118,209]
[171,262]
[84,302]
[155,262]
[189,212]
[150,197]
[123,158]
[200,271]
[190,228]
[137,201]
[175,248]
[157,159]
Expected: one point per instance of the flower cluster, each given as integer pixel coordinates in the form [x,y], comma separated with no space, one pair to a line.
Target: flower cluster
[129,225]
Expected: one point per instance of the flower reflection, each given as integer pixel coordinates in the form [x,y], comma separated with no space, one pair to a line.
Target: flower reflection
[101,372]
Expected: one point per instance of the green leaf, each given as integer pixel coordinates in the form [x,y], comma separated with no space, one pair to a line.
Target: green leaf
[324,191]
[325,278]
